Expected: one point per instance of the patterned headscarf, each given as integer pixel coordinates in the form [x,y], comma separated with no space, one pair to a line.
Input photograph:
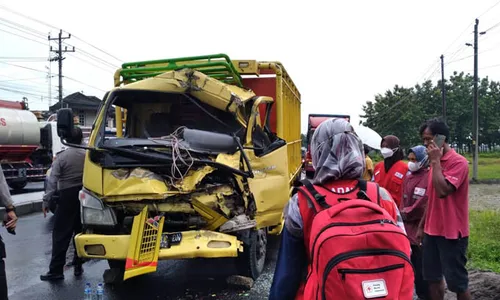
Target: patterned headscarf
[421,155]
[337,152]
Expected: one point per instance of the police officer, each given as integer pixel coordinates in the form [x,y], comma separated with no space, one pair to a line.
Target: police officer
[66,175]
[10,220]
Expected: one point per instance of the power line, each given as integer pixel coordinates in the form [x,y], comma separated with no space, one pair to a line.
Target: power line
[18,26]
[90,63]
[492,27]
[54,27]
[27,88]
[465,30]
[23,79]
[488,10]
[489,67]
[120,60]
[21,92]
[24,37]
[78,81]
[25,16]
[23,67]
[93,57]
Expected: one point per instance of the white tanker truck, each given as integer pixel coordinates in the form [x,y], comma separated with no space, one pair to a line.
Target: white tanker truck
[27,147]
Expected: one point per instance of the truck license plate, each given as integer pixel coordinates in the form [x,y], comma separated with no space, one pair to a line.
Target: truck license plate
[169,239]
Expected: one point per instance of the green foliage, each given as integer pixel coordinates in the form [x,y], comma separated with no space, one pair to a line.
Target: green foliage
[484,245]
[402,110]
[304,140]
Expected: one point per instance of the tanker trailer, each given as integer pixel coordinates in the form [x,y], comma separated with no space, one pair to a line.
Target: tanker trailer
[25,147]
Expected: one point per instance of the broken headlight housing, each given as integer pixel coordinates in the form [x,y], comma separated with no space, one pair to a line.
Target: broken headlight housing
[94,212]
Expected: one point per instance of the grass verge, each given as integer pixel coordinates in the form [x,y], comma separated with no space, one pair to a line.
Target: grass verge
[484,240]
[488,168]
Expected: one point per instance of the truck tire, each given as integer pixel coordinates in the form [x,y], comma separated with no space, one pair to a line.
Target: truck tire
[114,275]
[18,185]
[251,261]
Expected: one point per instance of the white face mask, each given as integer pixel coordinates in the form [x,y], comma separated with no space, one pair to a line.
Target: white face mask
[413,166]
[386,152]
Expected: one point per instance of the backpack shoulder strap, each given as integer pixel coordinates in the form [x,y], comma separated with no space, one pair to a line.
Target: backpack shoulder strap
[371,192]
[307,197]
[320,199]
[362,190]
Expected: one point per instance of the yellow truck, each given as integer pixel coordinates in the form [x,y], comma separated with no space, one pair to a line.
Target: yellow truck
[205,158]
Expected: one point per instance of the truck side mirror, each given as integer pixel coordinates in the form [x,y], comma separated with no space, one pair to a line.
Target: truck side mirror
[65,123]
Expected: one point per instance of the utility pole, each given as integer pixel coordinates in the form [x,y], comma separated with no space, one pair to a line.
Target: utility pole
[49,77]
[475,118]
[60,58]
[443,91]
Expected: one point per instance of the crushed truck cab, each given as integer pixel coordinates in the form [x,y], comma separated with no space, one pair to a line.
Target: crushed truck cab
[206,154]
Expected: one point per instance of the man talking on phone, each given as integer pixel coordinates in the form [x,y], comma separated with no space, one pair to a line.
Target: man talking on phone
[444,230]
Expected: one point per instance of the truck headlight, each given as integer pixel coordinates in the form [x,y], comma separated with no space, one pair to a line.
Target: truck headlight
[94,212]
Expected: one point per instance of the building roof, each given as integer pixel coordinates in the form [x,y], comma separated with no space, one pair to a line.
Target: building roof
[79,101]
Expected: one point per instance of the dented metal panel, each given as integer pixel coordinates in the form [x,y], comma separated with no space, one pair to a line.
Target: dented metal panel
[207,89]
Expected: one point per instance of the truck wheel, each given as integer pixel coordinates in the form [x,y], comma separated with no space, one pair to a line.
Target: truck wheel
[18,185]
[114,275]
[251,261]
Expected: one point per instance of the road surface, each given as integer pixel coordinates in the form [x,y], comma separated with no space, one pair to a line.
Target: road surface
[28,255]
[32,192]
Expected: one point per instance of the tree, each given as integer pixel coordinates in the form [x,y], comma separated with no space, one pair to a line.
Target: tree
[401,111]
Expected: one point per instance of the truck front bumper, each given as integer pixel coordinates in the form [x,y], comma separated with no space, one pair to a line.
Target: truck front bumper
[195,243]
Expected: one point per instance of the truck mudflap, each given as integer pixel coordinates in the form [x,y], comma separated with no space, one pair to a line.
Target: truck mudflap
[144,247]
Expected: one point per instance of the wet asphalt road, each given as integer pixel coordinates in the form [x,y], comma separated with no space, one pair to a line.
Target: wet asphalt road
[28,255]
[30,188]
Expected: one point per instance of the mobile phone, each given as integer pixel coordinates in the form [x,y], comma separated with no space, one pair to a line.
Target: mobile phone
[439,140]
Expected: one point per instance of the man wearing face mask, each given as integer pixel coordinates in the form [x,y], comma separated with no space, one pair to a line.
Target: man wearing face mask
[390,173]
[413,209]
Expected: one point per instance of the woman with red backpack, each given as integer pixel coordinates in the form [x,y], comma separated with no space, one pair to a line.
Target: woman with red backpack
[344,237]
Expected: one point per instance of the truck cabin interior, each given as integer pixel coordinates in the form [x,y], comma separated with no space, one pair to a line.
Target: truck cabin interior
[152,114]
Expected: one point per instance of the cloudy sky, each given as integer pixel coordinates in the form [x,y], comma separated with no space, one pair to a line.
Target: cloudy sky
[339,54]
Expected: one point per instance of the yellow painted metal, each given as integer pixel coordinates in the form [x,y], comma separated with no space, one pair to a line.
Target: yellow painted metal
[269,186]
[195,243]
[132,183]
[193,178]
[211,91]
[214,219]
[255,117]
[119,121]
[246,67]
[144,245]
[92,176]
[288,115]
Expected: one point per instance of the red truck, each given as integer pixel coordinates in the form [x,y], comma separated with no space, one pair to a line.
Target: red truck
[313,122]
[25,144]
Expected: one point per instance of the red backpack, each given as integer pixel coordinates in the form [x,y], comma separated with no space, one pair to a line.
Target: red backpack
[355,248]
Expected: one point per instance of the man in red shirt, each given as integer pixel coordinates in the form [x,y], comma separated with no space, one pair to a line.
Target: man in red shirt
[446,223]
